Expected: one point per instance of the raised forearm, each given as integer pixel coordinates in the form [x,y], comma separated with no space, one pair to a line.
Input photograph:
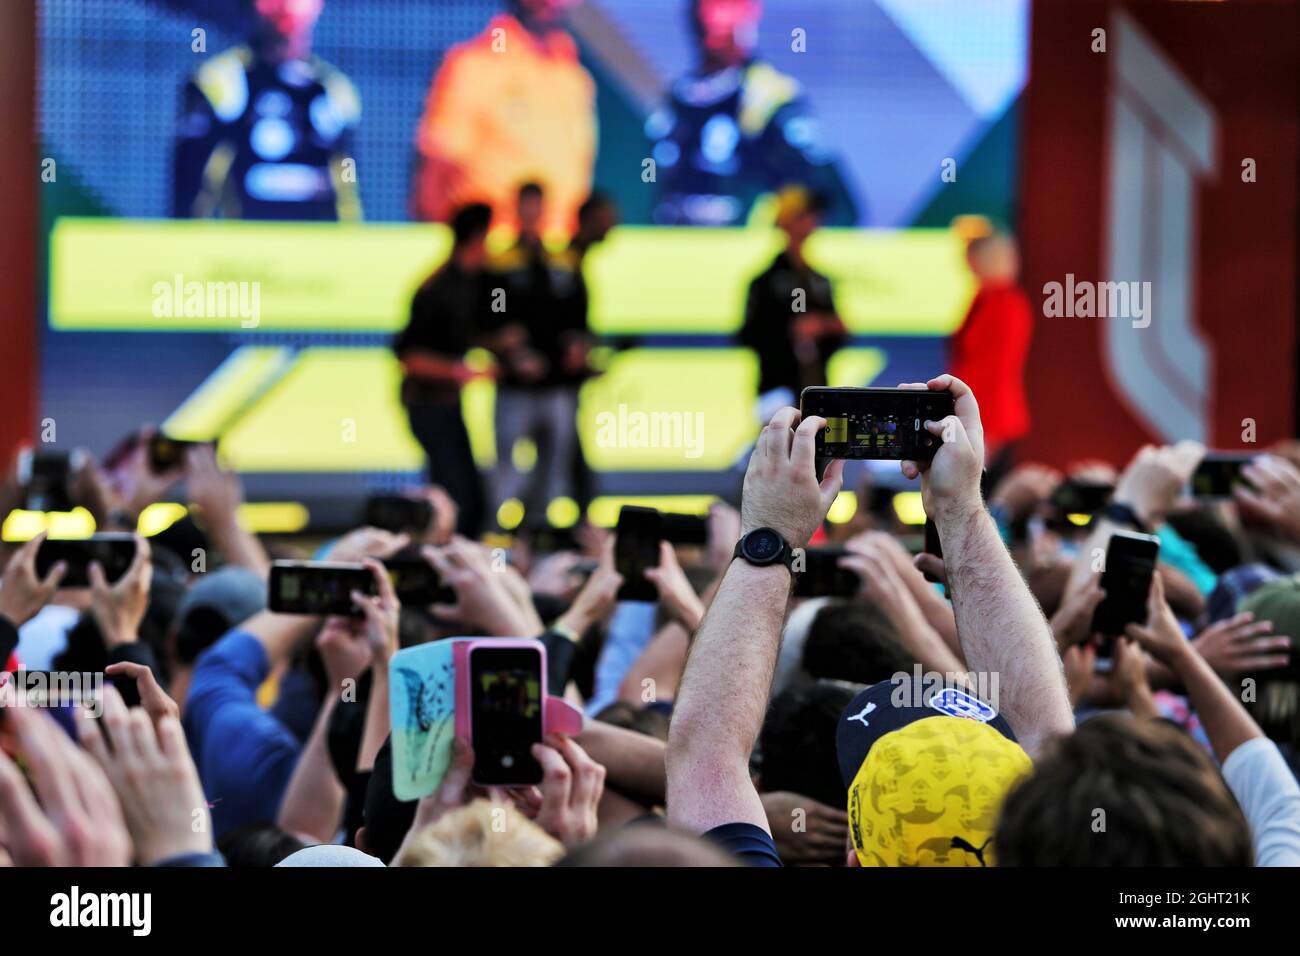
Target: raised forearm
[279,634]
[1003,631]
[633,762]
[240,546]
[313,801]
[376,728]
[1227,723]
[720,705]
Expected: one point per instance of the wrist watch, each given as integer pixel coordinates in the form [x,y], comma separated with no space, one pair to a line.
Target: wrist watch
[1122,513]
[762,547]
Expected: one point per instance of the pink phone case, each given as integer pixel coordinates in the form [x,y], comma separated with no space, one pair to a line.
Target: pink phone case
[558,715]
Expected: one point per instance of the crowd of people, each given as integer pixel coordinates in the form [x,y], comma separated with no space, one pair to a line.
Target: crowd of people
[966,722]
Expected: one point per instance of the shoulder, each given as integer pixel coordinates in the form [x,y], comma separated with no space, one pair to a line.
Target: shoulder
[751,844]
[342,93]
[766,91]
[223,81]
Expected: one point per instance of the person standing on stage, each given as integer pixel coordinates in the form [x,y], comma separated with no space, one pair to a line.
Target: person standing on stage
[443,326]
[540,342]
[790,318]
[989,351]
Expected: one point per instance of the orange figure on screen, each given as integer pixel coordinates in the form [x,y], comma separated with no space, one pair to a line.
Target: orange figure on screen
[511,105]
[989,350]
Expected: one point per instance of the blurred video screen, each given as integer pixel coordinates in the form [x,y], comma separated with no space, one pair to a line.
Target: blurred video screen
[310,198]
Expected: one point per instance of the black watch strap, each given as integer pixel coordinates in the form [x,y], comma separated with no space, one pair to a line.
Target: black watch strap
[1121,513]
[781,554]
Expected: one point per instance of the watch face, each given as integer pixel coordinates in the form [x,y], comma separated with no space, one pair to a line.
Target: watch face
[763,545]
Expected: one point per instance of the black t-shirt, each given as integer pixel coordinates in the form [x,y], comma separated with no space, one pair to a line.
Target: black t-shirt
[752,844]
[444,317]
[545,293]
[769,315]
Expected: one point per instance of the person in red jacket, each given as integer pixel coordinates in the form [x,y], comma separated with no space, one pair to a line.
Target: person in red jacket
[989,350]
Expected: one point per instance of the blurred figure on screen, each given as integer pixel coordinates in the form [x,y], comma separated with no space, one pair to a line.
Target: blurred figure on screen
[735,128]
[989,350]
[512,104]
[790,318]
[443,327]
[266,129]
[537,326]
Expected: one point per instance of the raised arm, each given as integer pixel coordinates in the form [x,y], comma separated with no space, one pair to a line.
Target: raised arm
[720,705]
[1001,627]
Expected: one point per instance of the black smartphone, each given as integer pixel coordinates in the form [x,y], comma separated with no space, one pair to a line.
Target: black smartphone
[1218,475]
[683,528]
[547,539]
[636,548]
[318,587]
[113,550]
[876,423]
[506,700]
[1130,565]
[1075,497]
[45,478]
[416,581]
[398,513]
[822,575]
[167,453]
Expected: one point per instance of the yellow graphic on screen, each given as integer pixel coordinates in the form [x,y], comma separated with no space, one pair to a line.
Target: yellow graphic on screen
[359,277]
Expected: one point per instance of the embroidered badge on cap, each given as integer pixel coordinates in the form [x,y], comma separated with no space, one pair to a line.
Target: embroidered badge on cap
[958,703]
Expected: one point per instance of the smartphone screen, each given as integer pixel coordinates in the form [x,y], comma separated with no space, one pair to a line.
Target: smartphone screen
[547,539]
[45,477]
[1081,497]
[317,587]
[505,714]
[1217,476]
[876,423]
[167,453]
[636,548]
[397,513]
[113,550]
[822,575]
[1130,565]
[416,581]
[683,528]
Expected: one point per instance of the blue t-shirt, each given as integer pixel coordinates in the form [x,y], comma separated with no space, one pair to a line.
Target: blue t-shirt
[752,844]
[245,756]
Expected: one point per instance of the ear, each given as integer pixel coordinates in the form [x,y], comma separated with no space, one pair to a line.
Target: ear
[360,840]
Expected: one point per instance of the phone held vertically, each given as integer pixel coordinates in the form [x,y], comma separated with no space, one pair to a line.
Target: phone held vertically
[507,700]
[1126,579]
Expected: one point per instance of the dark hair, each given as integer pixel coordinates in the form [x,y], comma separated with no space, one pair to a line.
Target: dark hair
[530,190]
[853,641]
[199,630]
[387,818]
[797,743]
[257,846]
[648,843]
[1215,544]
[593,204]
[470,222]
[1121,791]
[644,720]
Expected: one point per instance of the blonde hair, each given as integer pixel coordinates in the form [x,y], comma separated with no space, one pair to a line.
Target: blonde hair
[482,834]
